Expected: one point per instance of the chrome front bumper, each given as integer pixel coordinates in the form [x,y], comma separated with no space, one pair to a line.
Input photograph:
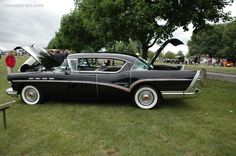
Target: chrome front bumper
[11,92]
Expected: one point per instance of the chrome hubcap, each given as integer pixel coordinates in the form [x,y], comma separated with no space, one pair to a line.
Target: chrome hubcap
[146,97]
[31,95]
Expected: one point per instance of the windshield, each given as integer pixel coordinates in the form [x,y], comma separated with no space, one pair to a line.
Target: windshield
[141,64]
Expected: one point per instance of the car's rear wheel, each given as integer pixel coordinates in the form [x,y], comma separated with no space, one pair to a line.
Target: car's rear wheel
[31,95]
[146,97]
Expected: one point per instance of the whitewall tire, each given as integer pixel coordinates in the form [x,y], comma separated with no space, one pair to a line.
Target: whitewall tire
[31,95]
[146,97]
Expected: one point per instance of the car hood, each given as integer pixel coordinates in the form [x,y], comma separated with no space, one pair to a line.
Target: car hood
[41,55]
[172,41]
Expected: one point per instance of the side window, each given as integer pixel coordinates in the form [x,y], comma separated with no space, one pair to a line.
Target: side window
[86,64]
[140,65]
[96,64]
[109,65]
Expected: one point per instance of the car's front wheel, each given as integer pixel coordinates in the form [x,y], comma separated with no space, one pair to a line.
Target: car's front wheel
[31,95]
[146,97]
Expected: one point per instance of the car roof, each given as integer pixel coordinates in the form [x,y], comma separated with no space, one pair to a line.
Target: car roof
[128,57]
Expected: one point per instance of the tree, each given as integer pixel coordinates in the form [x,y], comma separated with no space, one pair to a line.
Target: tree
[208,41]
[148,21]
[73,34]
[169,55]
[52,43]
[131,47]
[188,55]
[229,40]
[57,42]
[215,41]
[180,53]
[77,35]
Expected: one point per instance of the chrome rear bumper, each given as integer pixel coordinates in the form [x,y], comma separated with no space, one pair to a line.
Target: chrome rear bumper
[190,92]
[193,94]
[11,92]
[180,94]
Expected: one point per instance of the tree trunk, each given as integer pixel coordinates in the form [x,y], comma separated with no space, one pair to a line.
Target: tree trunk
[144,51]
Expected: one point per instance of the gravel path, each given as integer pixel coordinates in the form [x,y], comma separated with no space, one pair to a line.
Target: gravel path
[222,76]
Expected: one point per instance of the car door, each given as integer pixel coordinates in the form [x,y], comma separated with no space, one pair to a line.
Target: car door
[114,81]
[81,85]
[81,79]
[75,85]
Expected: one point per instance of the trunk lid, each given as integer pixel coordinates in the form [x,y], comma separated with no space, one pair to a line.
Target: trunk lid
[172,41]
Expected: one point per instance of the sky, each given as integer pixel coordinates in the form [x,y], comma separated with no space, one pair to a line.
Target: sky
[26,22]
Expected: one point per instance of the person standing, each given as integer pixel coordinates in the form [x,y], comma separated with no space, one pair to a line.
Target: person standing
[10,62]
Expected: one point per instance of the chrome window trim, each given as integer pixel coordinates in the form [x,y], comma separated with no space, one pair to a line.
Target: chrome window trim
[101,57]
[100,72]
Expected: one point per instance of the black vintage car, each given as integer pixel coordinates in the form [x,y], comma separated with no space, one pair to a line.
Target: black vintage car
[101,75]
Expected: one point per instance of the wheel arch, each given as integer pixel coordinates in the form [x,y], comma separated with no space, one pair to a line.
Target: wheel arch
[22,85]
[151,84]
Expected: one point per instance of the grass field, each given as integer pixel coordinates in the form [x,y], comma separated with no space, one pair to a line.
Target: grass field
[202,126]
[230,70]
[216,69]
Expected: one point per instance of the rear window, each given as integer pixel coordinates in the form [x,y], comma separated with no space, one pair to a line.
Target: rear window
[140,65]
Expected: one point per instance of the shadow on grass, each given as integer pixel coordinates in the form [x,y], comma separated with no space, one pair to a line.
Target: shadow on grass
[91,102]
[176,104]
[170,104]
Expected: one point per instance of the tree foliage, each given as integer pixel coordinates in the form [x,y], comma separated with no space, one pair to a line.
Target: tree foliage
[139,19]
[147,21]
[75,35]
[131,47]
[229,40]
[169,55]
[180,54]
[215,41]
[57,42]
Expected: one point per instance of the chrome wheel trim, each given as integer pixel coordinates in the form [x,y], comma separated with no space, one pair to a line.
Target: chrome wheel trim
[30,95]
[146,97]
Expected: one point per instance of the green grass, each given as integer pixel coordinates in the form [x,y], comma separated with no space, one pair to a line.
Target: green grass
[217,69]
[202,126]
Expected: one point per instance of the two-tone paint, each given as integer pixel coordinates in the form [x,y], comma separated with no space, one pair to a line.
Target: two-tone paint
[145,82]
[102,84]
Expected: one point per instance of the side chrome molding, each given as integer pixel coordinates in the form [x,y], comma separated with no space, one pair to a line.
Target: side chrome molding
[190,92]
